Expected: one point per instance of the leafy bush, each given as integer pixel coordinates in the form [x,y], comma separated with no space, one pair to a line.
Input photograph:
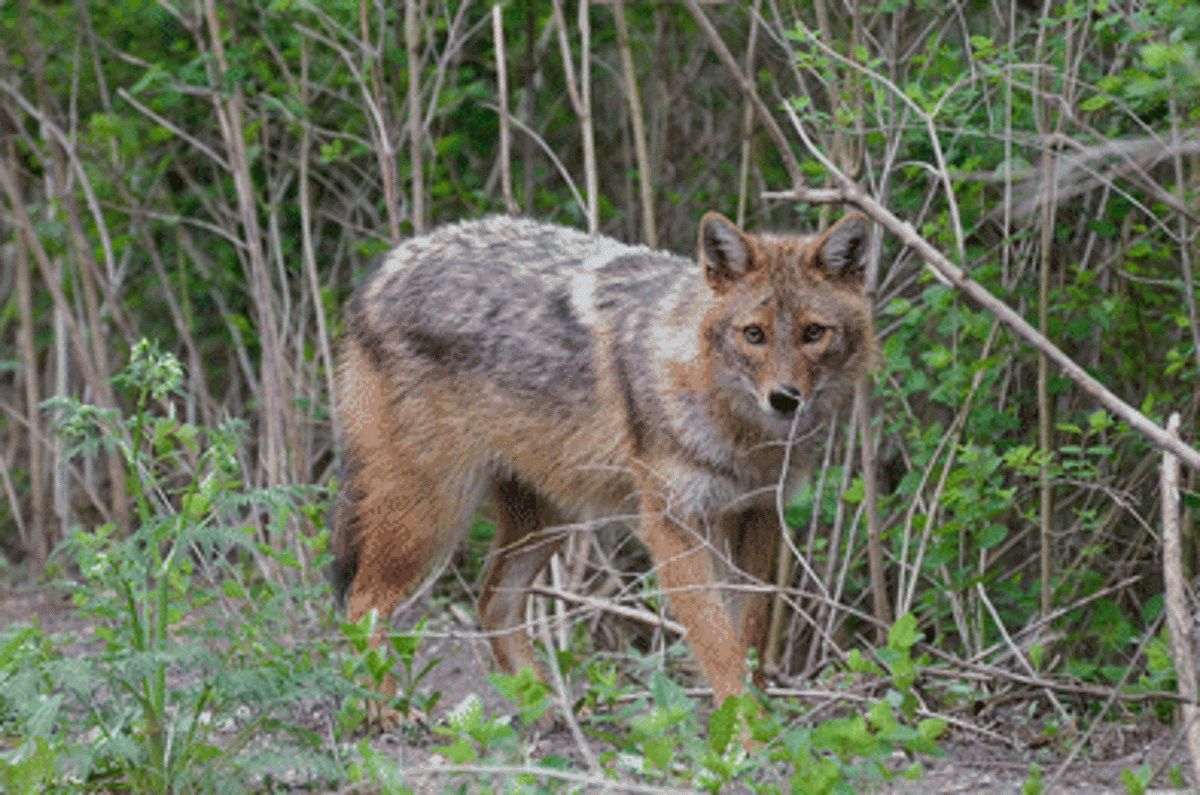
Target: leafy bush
[191,677]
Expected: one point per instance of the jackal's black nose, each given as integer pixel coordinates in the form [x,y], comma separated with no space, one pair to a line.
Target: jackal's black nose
[784,400]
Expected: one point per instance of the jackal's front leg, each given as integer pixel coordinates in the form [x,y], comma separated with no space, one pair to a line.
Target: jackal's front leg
[755,541]
[686,572]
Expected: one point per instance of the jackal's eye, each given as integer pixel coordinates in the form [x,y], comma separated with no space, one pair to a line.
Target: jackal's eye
[812,332]
[754,335]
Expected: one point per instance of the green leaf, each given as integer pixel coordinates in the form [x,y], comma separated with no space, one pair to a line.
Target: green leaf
[233,589]
[196,506]
[931,728]
[858,663]
[406,645]
[881,716]
[846,737]
[1159,55]
[1137,782]
[721,725]
[658,750]
[855,493]
[526,690]
[359,633]
[666,693]
[41,722]
[378,664]
[459,752]
[1033,785]
[903,633]
[990,536]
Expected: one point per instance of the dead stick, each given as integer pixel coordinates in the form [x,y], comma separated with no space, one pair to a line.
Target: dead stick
[412,41]
[1179,614]
[608,606]
[510,203]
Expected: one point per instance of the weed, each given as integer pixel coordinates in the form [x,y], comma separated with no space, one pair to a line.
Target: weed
[187,682]
[396,659]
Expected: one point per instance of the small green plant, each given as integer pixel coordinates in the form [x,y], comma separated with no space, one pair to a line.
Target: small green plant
[138,587]
[398,659]
[1137,780]
[739,724]
[836,753]
[527,691]
[191,683]
[474,735]
[757,743]
[1033,785]
[378,770]
[28,710]
[668,727]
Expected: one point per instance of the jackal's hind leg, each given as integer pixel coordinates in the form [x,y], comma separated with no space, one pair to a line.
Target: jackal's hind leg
[521,549]
[404,526]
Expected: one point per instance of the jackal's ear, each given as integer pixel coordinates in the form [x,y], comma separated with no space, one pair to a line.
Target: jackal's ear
[842,251]
[724,251]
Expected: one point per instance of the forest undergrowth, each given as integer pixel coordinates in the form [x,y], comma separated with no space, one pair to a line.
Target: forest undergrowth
[188,193]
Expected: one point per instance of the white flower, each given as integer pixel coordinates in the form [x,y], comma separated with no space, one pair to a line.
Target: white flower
[468,711]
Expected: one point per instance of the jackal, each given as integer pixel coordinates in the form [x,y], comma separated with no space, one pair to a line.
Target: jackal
[568,377]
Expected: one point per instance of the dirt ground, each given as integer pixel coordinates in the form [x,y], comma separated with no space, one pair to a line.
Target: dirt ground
[971,764]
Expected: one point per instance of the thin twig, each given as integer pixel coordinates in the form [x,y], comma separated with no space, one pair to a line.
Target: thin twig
[543,772]
[564,698]
[412,38]
[987,603]
[506,185]
[634,98]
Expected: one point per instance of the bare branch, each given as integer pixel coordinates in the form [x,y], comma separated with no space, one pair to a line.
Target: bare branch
[1181,617]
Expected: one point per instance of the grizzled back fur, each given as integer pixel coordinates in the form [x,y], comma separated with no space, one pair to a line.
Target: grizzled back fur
[491,297]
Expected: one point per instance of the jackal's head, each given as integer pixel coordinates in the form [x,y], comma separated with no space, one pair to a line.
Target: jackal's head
[789,329]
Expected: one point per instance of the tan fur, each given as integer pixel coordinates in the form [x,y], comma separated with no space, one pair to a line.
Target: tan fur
[572,378]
